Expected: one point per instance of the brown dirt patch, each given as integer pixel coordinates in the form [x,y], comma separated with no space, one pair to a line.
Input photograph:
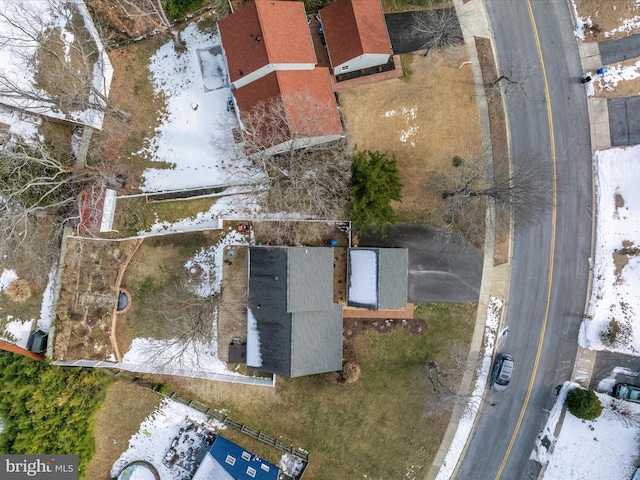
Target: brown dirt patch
[619,199]
[499,141]
[620,260]
[607,16]
[88,297]
[423,122]
[354,327]
[125,407]
[232,311]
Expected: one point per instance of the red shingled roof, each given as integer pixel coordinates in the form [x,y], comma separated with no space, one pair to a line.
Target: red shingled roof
[353,28]
[265,32]
[307,99]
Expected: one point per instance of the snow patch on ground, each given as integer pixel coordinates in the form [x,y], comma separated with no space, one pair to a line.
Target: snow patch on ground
[603,448]
[406,116]
[617,73]
[6,277]
[581,22]
[547,437]
[195,133]
[614,295]
[494,310]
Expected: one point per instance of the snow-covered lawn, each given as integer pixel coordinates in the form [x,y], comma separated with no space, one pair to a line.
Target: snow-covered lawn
[613,322]
[603,448]
[195,134]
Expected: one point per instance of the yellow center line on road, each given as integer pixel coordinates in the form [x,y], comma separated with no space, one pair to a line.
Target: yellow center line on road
[552,251]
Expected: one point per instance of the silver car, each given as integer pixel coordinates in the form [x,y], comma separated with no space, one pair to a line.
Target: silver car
[501,372]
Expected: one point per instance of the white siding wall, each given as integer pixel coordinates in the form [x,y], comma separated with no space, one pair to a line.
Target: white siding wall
[300,143]
[261,72]
[363,61]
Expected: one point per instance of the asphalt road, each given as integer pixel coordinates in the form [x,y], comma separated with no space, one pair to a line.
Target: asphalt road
[442,268]
[549,274]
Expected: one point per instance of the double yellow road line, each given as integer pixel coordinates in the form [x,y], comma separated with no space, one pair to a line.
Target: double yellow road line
[552,251]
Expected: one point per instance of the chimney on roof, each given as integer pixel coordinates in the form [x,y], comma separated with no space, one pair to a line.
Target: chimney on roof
[258,38]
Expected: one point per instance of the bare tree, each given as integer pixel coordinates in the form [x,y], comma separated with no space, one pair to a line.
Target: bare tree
[523,193]
[301,178]
[439,27]
[150,11]
[67,62]
[39,194]
[511,79]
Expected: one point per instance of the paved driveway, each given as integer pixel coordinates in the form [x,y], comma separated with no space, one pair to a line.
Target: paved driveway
[442,269]
[403,39]
[612,51]
[624,120]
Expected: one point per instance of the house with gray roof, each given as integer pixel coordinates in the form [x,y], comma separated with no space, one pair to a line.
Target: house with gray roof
[294,324]
[378,278]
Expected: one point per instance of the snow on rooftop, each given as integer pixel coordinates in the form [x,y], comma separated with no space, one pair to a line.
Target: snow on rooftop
[600,449]
[616,279]
[465,425]
[18,49]
[254,357]
[195,135]
[363,277]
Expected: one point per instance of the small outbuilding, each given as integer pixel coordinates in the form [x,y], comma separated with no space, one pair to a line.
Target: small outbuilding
[37,342]
[356,35]
[378,278]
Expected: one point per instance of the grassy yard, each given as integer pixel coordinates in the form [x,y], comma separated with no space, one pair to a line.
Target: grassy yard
[607,16]
[423,122]
[153,277]
[387,425]
[135,214]
[120,416]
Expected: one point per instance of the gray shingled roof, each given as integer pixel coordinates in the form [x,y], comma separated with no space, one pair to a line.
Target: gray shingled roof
[310,279]
[316,342]
[393,272]
[291,297]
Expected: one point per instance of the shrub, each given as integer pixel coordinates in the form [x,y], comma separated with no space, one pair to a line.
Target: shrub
[19,290]
[584,404]
[615,333]
[457,161]
[350,373]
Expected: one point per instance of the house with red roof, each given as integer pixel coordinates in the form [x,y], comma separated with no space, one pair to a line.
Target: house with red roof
[356,35]
[289,109]
[272,69]
[264,36]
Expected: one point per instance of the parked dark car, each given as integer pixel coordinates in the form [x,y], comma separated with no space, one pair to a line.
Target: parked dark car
[624,391]
[501,372]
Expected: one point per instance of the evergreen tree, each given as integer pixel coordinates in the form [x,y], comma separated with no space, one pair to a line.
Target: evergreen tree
[47,409]
[375,182]
[584,404]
